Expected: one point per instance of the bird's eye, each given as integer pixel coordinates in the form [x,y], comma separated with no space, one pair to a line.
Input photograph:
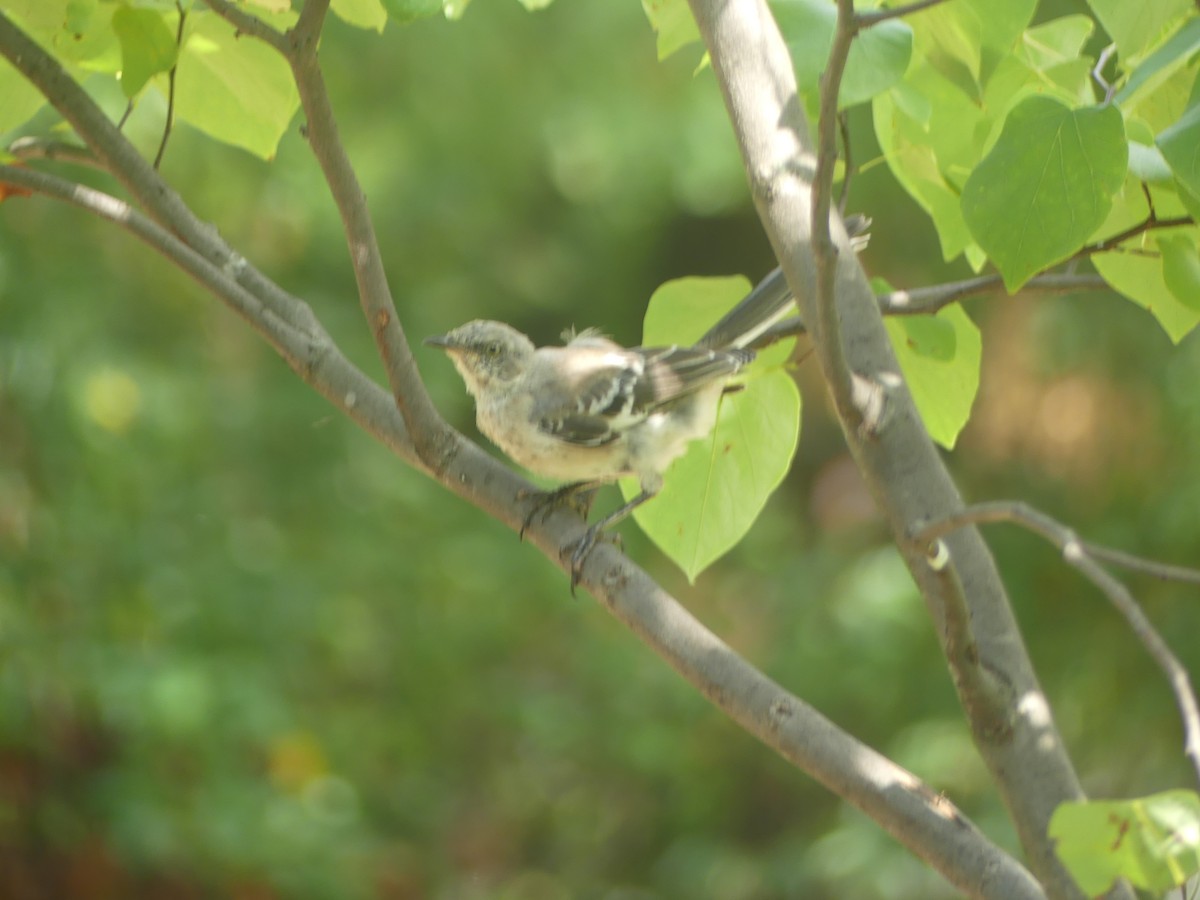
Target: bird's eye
[492,348]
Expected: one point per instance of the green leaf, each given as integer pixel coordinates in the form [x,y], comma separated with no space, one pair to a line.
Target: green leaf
[362,13]
[1057,41]
[147,46]
[673,25]
[1046,186]
[940,357]
[878,56]
[1137,26]
[1147,163]
[1180,146]
[1139,275]
[411,10]
[236,90]
[1162,64]
[1154,841]
[878,59]
[1181,269]
[715,491]
[19,100]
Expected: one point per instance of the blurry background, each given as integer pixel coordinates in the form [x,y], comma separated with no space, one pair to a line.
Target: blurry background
[246,653]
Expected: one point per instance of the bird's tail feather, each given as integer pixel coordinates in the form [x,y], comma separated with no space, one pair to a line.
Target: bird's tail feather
[769,301]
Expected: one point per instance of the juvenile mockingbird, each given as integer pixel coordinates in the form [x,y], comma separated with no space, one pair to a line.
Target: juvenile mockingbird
[592,411]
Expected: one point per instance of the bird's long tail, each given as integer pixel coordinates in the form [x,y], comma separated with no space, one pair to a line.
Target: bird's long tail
[770,301]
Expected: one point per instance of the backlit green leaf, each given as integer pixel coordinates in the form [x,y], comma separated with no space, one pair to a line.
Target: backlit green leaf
[1153,842]
[147,46]
[715,491]
[236,89]
[940,357]
[673,25]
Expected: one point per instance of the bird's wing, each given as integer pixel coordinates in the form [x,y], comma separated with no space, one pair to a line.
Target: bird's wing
[601,389]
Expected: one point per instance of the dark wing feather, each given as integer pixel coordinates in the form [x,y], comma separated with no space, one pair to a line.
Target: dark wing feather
[616,389]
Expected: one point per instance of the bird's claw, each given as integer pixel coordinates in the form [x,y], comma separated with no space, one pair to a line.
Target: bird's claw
[577,496]
[583,546]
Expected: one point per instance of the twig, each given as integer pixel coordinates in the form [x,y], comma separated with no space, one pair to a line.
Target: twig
[170,121]
[248,24]
[1081,555]
[1150,223]
[928,300]
[867,19]
[38,148]
[825,251]
[847,163]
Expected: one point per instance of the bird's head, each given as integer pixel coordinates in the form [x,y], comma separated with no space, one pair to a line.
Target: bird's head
[485,353]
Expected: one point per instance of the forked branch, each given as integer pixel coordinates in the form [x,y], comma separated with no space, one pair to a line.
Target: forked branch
[1084,556]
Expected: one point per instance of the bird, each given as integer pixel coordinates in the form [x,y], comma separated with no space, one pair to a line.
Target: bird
[591,411]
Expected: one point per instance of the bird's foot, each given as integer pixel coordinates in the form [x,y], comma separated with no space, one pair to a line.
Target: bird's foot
[581,547]
[577,495]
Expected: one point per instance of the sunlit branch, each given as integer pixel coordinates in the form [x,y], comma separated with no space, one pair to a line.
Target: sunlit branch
[1082,556]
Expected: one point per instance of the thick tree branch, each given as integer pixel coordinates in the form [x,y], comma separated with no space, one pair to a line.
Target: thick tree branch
[893,450]
[1082,555]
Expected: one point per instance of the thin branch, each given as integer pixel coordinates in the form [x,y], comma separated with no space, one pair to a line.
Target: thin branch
[1150,223]
[1080,555]
[170,120]
[867,19]
[248,24]
[928,300]
[29,148]
[825,251]
[847,163]
[989,697]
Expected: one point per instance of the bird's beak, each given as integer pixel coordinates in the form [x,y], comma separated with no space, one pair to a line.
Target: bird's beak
[439,340]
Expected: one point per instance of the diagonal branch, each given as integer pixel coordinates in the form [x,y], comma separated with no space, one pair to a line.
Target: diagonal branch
[1082,555]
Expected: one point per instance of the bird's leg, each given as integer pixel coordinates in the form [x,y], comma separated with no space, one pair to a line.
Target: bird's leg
[580,548]
[578,495]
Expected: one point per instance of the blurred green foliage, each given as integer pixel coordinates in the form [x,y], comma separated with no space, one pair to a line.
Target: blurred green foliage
[244,652]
